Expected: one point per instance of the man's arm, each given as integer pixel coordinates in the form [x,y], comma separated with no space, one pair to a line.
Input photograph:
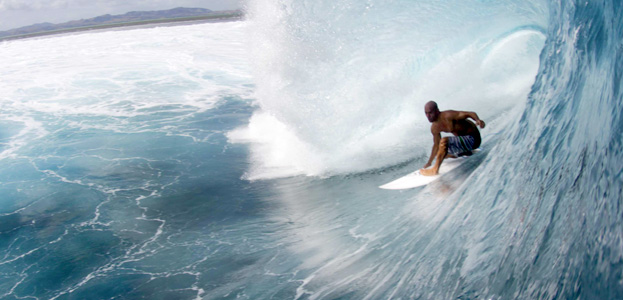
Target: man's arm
[436,138]
[470,114]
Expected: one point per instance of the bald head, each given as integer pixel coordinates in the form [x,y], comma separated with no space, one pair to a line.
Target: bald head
[432,111]
[431,105]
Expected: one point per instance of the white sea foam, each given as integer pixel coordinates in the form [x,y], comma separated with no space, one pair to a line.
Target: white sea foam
[120,74]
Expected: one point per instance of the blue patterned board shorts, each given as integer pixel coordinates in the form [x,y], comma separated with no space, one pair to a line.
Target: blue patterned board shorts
[460,145]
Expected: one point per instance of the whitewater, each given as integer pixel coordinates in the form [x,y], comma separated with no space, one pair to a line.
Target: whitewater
[242,159]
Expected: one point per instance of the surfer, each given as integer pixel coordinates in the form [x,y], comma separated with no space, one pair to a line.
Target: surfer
[466,135]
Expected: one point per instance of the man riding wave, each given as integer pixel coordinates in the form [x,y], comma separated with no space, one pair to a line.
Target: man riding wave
[466,135]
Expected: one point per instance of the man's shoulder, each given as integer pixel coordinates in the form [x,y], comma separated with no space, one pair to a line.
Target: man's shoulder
[436,127]
[449,113]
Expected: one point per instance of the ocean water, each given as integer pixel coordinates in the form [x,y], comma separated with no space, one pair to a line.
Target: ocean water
[242,159]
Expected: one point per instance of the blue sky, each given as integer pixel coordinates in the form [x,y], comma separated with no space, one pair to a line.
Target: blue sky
[18,13]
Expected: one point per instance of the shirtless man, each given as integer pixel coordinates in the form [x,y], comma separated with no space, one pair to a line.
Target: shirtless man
[466,135]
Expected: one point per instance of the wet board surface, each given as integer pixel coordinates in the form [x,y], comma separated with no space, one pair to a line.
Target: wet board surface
[415,179]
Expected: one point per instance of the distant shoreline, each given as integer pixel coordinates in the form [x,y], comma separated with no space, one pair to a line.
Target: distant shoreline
[229,17]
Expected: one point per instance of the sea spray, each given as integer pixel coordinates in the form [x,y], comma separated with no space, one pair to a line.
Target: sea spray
[341,86]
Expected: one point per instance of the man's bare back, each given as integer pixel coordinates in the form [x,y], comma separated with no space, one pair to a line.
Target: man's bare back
[466,135]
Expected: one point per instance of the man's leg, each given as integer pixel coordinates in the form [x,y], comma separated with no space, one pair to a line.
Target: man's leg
[441,155]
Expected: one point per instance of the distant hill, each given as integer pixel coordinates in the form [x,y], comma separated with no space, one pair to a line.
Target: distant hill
[131,18]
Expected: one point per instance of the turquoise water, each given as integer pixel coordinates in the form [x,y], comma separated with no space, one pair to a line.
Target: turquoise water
[243,159]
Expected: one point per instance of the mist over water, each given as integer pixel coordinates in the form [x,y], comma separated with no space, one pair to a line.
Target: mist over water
[346,83]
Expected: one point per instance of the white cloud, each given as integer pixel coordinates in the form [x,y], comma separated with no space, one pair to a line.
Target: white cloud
[17,13]
[31,4]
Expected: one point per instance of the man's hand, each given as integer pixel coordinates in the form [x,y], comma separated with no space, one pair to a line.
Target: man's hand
[480,123]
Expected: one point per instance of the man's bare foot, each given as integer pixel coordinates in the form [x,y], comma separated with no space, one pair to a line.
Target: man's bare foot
[428,172]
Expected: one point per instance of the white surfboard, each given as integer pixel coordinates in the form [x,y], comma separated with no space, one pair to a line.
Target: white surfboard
[416,179]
